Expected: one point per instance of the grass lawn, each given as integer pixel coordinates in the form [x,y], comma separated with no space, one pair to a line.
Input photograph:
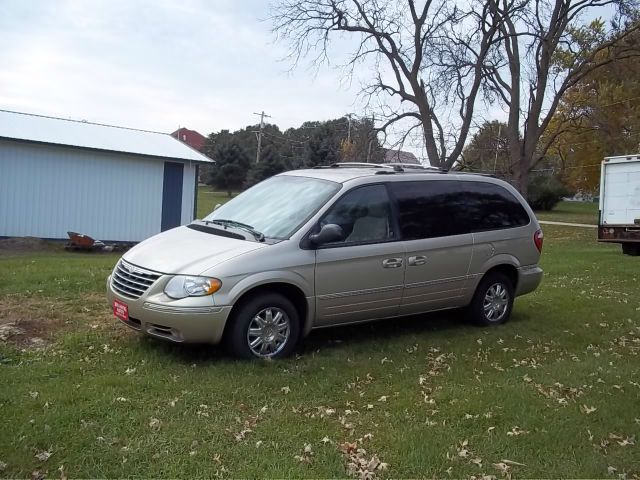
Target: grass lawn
[553,393]
[572,212]
[208,198]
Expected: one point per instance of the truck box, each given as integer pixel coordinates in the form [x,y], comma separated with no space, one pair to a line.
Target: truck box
[619,219]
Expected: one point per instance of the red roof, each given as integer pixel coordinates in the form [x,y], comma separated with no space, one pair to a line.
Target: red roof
[190,137]
[399,156]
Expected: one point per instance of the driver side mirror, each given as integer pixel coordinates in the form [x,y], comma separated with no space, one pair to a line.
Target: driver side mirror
[328,233]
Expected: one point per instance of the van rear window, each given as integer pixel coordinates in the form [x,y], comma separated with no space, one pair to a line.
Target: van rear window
[440,208]
[492,207]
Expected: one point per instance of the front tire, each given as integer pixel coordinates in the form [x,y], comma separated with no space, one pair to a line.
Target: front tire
[264,326]
[493,301]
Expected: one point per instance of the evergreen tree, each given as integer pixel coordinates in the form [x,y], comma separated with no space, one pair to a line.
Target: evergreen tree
[230,171]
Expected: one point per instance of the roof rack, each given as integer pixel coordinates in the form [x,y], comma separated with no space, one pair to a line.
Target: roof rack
[413,166]
[353,165]
[479,174]
[386,168]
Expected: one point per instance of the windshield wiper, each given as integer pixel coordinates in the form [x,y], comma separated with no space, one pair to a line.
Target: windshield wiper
[232,223]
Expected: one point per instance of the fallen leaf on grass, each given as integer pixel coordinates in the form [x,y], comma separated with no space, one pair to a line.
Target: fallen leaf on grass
[503,467]
[155,423]
[463,451]
[359,465]
[611,470]
[33,395]
[307,453]
[627,441]
[285,390]
[511,462]
[587,410]
[130,371]
[43,456]
[325,440]
[516,431]
[383,398]
[3,466]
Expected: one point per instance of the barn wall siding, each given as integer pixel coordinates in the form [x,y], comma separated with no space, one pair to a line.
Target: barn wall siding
[188,186]
[46,191]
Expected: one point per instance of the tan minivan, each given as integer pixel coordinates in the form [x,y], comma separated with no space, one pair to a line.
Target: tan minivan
[329,246]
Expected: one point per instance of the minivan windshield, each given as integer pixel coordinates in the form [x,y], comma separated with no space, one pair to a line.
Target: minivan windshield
[278,206]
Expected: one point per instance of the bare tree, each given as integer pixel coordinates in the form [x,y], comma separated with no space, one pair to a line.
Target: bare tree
[546,48]
[431,57]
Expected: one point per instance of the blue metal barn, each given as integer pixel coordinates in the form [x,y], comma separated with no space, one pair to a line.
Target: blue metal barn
[111,183]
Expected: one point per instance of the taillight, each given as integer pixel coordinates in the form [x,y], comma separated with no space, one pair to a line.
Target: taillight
[538,237]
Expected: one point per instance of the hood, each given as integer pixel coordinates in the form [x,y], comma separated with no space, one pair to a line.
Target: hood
[186,251]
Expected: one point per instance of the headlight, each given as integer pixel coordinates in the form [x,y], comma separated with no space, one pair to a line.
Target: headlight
[182,286]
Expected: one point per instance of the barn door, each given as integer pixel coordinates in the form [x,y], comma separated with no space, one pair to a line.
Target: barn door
[172,195]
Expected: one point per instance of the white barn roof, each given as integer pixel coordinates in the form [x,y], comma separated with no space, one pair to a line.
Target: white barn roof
[74,133]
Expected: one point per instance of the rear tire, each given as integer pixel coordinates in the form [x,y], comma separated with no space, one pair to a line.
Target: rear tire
[631,249]
[265,326]
[493,301]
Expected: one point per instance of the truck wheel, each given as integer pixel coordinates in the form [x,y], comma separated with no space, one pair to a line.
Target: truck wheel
[493,301]
[631,249]
[265,326]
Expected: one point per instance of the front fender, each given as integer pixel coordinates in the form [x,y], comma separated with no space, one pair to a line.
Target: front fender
[265,278]
[256,280]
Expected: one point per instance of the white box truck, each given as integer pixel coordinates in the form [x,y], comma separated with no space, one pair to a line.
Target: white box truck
[619,220]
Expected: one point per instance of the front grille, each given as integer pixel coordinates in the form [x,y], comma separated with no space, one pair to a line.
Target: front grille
[132,281]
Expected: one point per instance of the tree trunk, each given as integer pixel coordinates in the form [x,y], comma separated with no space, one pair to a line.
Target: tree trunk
[521,180]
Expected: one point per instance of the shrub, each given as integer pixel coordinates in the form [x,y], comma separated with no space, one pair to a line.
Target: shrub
[545,192]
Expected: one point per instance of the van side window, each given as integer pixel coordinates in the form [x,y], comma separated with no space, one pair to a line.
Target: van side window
[492,207]
[430,209]
[364,215]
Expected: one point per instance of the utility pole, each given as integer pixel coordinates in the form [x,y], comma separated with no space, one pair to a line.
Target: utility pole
[373,129]
[495,161]
[259,133]
[349,115]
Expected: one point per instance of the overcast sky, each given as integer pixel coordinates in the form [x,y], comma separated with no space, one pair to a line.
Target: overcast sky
[157,65]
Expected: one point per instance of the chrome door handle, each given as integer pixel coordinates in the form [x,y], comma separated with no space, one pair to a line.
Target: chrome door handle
[392,262]
[417,260]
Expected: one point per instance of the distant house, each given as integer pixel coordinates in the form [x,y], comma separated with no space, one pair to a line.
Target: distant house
[399,156]
[190,137]
[111,183]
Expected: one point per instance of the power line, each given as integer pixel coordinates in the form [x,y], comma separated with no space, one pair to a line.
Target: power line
[285,139]
[618,102]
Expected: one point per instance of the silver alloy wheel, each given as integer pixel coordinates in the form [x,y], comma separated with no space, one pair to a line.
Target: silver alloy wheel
[496,302]
[268,332]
